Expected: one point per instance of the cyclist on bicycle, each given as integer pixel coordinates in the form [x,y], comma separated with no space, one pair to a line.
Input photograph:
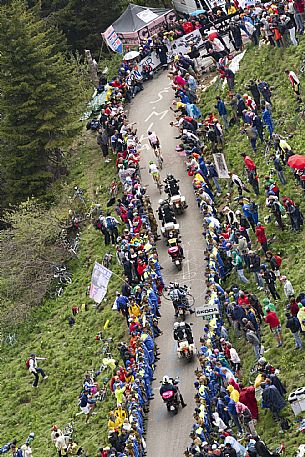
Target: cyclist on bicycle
[154,171]
[154,141]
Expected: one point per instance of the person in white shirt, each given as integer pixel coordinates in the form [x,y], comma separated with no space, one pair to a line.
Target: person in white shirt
[295,82]
[153,140]
[60,444]
[288,289]
[234,357]
[26,450]
[33,368]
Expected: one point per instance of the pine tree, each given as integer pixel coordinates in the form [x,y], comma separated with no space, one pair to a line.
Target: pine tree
[39,96]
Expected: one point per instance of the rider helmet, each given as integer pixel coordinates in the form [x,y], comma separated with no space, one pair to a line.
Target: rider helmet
[262,361]
[151,162]
[165,379]
[176,325]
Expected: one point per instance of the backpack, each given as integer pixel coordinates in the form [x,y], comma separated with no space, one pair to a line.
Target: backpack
[28,363]
[285,424]
[278,260]
[282,209]
[110,223]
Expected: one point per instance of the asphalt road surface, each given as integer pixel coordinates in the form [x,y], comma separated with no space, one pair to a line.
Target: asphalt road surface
[168,435]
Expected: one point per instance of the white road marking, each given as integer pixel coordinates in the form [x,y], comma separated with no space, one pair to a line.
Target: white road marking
[163,91]
[159,115]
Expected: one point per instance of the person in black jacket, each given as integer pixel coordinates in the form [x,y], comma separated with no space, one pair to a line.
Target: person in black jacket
[255,267]
[253,88]
[261,448]
[240,105]
[270,280]
[229,451]
[235,35]
[293,324]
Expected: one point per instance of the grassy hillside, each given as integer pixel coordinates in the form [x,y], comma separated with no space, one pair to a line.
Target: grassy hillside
[269,63]
[70,351]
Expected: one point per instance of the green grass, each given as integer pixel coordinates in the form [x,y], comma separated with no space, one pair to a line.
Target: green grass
[46,332]
[269,64]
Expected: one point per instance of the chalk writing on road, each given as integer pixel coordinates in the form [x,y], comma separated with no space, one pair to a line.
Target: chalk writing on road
[163,91]
[159,115]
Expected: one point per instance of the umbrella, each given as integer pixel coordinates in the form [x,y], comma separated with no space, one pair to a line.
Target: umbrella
[297,161]
[197,12]
[131,55]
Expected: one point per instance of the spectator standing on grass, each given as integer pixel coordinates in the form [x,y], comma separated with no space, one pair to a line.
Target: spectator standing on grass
[294,80]
[238,264]
[222,110]
[288,289]
[264,89]
[235,359]
[275,326]
[212,173]
[301,317]
[255,266]
[252,338]
[112,227]
[60,444]
[272,399]
[33,368]
[268,120]
[293,324]
[102,140]
[278,168]
[261,236]
[26,450]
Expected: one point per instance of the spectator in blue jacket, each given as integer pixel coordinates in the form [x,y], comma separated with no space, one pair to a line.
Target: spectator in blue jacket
[212,173]
[268,120]
[233,413]
[222,110]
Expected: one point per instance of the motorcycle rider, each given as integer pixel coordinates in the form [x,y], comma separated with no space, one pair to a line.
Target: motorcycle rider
[171,185]
[173,240]
[165,213]
[183,331]
[168,384]
[176,296]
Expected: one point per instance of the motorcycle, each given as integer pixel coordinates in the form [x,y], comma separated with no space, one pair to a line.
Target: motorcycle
[169,227]
[185,350]
[171,399]
[178,203]
[176,200]
[181,309]
[182,305]
[175,252]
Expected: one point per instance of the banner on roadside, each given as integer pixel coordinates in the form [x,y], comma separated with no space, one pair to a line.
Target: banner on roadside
[206,310]
[221,166]
[112,40]
[99,282]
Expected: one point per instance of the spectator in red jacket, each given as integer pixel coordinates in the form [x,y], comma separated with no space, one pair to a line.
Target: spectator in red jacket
[293,307]
[188,27]
[261,236]
[275,326]
[243,300]
[249,163]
